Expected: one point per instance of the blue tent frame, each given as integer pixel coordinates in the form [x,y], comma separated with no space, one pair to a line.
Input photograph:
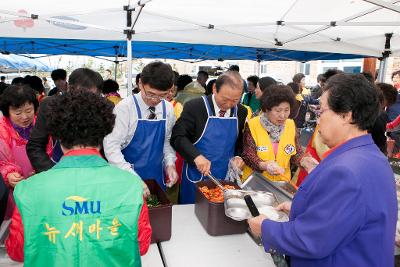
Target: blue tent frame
[144,49]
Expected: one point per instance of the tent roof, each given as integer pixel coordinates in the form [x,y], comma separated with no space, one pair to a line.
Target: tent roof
[206,29]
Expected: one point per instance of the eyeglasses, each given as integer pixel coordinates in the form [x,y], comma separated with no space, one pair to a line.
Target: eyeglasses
[319,112]
[155,97]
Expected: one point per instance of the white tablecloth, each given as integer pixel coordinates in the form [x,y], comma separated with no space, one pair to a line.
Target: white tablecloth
[190,245]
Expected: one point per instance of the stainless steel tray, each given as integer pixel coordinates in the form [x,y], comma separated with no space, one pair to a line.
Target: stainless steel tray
[284,191]
[236,208]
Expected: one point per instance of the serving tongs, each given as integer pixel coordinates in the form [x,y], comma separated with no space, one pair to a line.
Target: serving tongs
[229,193]
[236,193]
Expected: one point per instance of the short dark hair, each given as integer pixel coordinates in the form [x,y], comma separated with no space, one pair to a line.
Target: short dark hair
[368,76]
[18,81]
[274,95]
[389,93]
[59,74]
[35,83]
[15,96]
[85,79]
[397,72]
[331,72]
[264,82]
[2,78]
[253,79]
[158,75]
[137,78]
[209,87]
[295,87]
[202,73]
[381,97]
[110,86]
[353,93]
[321,78]
[80,118]
[182,81]
[231,78]
[298,77]
[176,76]
[234,68]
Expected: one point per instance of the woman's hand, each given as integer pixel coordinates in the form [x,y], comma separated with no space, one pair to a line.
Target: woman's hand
[255,224]
[308,163]
[238,162]
[285,207]
[14,178]
[271,167]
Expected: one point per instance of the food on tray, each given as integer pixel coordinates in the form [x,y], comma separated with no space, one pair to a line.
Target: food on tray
[152,201]
[215,194]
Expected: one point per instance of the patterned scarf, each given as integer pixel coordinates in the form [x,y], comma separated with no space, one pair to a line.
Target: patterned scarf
[273,130]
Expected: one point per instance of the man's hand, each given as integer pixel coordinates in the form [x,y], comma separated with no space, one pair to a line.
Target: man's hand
[238,162]
[255,224]
[285,207]
[172,175]
[14,178]
[203,165]
[146,191]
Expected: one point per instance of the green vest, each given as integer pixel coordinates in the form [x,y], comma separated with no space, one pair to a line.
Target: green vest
[82,212]
[252,102]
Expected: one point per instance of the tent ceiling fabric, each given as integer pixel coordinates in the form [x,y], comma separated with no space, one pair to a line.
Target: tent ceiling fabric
[207,29]
[15,63]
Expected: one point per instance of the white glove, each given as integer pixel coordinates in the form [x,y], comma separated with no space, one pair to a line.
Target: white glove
[172,175]
[272,167]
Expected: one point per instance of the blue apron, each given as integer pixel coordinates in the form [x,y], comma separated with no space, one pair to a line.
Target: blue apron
[217,144]
[57,152]
[146,149]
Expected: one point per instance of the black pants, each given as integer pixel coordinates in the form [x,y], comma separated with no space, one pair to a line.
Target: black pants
[3,198]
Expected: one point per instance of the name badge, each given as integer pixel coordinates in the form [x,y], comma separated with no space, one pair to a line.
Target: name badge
[262,148]
[289,149]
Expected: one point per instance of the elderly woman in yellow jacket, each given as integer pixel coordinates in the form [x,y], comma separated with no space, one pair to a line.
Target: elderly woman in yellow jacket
[271,141]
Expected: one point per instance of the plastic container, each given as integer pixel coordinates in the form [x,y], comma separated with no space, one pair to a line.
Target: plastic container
[212,215]
[161,216]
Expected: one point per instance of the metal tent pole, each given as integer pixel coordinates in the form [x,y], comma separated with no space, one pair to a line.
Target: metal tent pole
[129,64]
[129,32]
[385,55]
[116,62]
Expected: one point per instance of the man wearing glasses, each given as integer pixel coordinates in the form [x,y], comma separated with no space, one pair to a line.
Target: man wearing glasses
[209,133]
[139,141]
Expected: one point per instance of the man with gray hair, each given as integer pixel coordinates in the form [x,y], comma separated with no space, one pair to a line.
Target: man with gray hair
[209,133]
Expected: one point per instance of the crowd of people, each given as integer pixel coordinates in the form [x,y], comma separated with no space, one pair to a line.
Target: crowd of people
[74,159]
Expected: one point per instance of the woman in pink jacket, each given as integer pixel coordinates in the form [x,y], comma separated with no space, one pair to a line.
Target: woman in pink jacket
[19,105]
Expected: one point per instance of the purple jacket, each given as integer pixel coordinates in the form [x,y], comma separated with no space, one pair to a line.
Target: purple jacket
[344,213]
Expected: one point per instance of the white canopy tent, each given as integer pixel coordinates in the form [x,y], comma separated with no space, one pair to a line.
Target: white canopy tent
[352,27]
